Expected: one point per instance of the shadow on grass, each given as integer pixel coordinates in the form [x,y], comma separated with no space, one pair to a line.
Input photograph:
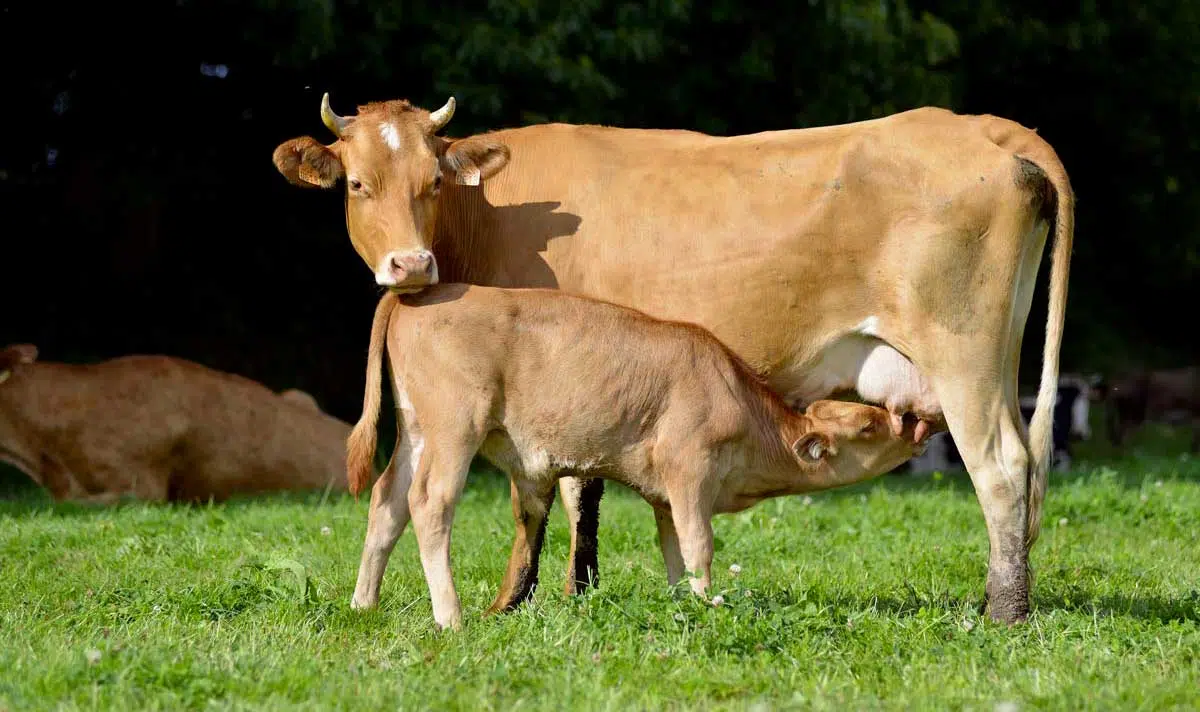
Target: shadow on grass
[1150,608]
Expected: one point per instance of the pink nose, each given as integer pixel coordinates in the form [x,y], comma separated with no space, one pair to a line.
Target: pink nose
[412,267]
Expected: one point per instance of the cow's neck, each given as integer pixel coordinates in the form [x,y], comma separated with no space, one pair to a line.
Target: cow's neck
[461,245]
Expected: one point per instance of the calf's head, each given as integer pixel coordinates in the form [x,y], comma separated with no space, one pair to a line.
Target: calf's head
[853,439]
[393,166]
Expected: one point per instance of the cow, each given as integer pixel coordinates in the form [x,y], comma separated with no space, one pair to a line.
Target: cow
[1072,414]
[1169,396]
[564,383]
[160,428]
[803,250]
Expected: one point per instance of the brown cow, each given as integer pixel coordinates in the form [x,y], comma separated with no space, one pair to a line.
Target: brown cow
[160,428]
[1169,396]
[815,254]
[541,382]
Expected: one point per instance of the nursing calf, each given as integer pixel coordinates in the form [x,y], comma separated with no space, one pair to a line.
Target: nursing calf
[160,428]
[541,383]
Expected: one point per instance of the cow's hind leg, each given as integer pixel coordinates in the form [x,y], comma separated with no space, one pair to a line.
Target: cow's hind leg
[581,500]
[531,506]
[386,521]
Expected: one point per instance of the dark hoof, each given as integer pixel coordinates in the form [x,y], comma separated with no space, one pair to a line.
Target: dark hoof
[1008,610]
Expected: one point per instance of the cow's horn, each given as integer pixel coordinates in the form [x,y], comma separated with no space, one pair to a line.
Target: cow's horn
[442,116]
[332,121]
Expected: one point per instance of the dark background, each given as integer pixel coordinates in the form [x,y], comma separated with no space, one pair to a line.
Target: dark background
[141,211]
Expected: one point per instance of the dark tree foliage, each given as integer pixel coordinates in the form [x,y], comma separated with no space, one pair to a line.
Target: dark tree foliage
[143,213]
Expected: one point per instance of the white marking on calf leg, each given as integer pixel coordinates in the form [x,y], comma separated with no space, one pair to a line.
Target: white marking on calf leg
[391,136]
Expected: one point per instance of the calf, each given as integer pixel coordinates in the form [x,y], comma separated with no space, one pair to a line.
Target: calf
[1070,422]
[541,383]
[160,428]
[1170,396]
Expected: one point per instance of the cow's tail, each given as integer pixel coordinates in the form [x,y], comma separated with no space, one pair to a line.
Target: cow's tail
[360,446]
[1041,435]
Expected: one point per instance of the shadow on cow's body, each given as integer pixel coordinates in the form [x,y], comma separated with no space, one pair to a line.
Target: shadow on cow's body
[897,255]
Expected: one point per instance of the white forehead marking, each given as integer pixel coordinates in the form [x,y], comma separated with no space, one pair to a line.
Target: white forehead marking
[390,135]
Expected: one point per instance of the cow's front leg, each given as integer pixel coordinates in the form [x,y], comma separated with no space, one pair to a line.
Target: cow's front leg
[531,507]
[581,500]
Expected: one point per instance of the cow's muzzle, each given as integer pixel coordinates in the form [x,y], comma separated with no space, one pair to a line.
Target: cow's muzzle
[407,270]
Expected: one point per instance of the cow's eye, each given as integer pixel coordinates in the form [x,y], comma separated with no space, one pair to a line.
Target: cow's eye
[437,182]
[355,184]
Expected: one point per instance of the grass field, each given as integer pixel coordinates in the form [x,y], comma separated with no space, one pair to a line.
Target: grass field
[864,598]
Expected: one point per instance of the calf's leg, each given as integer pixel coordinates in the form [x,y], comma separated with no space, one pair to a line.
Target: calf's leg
[436,487]
[668,542]
[693,522]
[531,507]
[388,516]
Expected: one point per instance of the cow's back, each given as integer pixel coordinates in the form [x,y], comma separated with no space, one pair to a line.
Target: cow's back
[776,241]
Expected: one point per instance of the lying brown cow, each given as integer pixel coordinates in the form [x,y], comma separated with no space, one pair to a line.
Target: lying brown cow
[1168,396]
[160,428]
[541,383]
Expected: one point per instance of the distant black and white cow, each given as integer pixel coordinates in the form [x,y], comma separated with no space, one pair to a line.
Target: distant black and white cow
[1072,410]
[1169,396]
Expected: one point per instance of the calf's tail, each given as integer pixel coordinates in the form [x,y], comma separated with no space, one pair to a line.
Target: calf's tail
[360,445]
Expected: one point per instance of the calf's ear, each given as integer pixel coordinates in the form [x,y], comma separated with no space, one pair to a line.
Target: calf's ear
[470,161]
[308,163]
[812,447]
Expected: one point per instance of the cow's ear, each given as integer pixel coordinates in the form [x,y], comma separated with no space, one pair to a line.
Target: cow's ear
[470,161]
[308,163]
[812,447]
[14,355]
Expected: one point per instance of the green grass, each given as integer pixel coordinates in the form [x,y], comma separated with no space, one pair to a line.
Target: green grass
[865,598]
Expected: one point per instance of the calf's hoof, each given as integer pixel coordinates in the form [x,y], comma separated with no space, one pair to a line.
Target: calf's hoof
[452,623]
[363,604]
